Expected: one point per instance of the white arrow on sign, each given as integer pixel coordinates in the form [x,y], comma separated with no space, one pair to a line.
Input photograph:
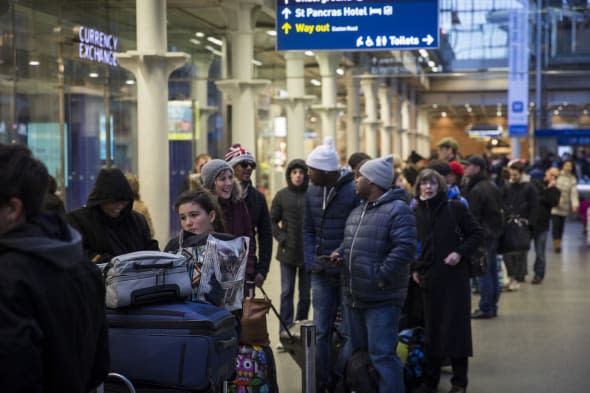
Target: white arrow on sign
[428,39]
[286,12]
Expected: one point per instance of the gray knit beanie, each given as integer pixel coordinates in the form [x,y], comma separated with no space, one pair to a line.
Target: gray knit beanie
[379,171]
[210,171]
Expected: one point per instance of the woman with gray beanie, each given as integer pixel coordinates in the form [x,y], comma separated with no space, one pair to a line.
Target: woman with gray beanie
[217,176]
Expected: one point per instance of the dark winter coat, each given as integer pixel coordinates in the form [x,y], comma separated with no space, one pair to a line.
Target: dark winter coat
[261,228]
[237,222]
[286,217]
[548,198]
[326,211]
[445,289]
[485,205]
[53,332]
[378,247]
[520,199]
[103,236]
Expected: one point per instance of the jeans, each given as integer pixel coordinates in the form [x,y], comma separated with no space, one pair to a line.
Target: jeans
[375,330]
[540,246]
[326,298]
[489,287]
[288,273]
[557,226]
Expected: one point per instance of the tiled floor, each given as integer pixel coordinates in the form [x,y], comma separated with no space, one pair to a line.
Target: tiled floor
[540,342]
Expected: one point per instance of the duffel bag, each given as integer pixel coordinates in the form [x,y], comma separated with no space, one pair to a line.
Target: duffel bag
[146,277]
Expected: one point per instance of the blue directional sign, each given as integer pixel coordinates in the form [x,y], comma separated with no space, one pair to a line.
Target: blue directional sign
[354,25]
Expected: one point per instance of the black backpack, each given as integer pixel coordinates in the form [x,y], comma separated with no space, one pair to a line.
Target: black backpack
[361,375]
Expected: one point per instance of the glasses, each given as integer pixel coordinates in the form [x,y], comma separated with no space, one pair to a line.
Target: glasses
[246,164]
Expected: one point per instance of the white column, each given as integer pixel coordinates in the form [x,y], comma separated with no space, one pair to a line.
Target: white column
[202,63]
[152,65]
[241,89]
[328,110]
[405,119]
[413,118]
[371,123]
[295,104]
[385,115]
[353,116]
[396,104]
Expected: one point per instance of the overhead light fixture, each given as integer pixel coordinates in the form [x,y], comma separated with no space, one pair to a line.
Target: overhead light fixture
[531,103]
[469,109]
[499,113]
[431,63]
[556,112]
[34,63]
[195,41]
[93,75]
[315,82]
[308,53]
[434,106]
[129,82]
[443,114]
[213,50]
[257,63]
[340,71]
[214,40]
[423,53]
[200,34]
[585,111]
[271,33]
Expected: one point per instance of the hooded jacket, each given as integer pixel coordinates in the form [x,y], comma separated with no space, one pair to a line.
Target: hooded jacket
[53,332]
[286,217]
[485,205]
[105,237]
[326,211]
[379,245]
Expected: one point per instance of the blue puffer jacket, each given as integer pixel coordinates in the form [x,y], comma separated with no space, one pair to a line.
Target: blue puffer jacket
[378,247]
[326,211]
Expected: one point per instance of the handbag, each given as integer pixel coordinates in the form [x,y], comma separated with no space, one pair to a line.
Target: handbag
[477,262]
[516,235]
[254,328]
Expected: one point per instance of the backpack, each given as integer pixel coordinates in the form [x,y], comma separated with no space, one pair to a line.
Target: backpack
[361,375]
[255,370]
[410,349]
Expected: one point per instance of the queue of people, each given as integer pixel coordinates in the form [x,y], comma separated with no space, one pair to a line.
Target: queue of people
[355,238]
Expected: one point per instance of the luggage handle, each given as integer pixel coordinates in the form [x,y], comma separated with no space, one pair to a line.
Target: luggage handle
[140,266]
[224,345]
[283,324]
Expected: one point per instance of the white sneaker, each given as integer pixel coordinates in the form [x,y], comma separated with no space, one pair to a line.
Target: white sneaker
[280,348]
[514,285]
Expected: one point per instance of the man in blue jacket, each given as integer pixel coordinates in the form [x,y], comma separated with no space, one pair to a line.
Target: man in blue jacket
[329,200]
[379,245]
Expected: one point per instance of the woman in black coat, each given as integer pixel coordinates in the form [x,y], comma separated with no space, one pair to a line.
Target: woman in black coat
[448,235]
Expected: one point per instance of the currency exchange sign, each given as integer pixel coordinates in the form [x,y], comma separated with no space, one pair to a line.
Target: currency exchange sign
[354,25]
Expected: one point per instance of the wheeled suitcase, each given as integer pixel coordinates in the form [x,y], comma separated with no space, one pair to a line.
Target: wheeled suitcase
[188,345]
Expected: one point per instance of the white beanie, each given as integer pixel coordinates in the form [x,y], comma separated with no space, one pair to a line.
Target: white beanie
[379,171]
[324,157]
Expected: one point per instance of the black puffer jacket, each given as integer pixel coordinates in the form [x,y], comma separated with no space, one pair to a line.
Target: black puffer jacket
[105,237]
[379,245]
[260,218]
[548,199]
[485,205]
[287,218]
[53,332]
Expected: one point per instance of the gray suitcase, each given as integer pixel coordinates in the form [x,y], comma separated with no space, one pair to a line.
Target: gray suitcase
[146,277]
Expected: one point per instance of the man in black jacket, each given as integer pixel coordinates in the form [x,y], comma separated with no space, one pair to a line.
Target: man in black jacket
[548,198]
[287,228]
[108,224]
[485,205]
[53,333]
[244,164]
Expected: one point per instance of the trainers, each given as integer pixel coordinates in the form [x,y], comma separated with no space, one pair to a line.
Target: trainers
[280,348]
[513,286]
[536,280]
[478,314]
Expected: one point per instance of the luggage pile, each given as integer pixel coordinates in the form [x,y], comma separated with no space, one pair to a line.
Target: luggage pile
[160,340]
